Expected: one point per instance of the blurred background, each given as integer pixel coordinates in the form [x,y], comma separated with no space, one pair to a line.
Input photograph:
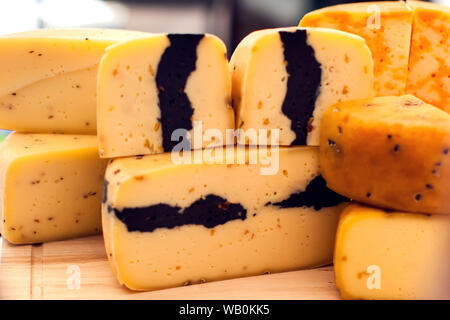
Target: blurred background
[231,20]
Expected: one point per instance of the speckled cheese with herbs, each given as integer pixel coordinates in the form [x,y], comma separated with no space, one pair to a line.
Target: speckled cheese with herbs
[392,152]
[168,225]
[50,187]
[48,78]
[284,79]
[150,87]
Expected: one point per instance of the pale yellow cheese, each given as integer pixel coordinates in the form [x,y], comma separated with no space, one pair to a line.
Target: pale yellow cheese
[48,78]
[386,26]
[270,238]
[50,187]
[392,255]
[129,115]
[260,80]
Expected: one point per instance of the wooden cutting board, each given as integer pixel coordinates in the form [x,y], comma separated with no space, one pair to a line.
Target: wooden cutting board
[48,271]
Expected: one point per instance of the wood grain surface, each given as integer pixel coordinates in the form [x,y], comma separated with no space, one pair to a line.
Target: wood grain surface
[48,271]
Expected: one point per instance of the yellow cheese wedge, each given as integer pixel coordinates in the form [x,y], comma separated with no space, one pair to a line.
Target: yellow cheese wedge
[392,255]
[150,87]
[392,152]
[284,79]
[169,225]
[429,62]
[48,78]
[386,27]
[50,187]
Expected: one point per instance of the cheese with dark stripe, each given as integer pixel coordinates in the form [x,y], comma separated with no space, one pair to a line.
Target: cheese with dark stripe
[286,78]
[301,64]
[166,225]
[149,87]
[177,63]
[316,195]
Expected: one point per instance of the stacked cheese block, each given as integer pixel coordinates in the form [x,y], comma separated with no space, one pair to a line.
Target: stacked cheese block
[167,224]
[182,203]
[393,153]
[52,176]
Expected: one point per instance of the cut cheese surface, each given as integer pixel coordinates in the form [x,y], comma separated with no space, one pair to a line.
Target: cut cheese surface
[150,87]
[392,255]
[429,62]
[284,79]
[166,225]
[386,27]
[392,152]
[48,78]
[50,187]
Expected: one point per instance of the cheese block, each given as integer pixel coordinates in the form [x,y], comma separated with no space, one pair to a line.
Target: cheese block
[284,79]
[386,27]
[48,78]
[168,224]
[392,152]
[50,187]
[429,62]
[392,255]
[153,92]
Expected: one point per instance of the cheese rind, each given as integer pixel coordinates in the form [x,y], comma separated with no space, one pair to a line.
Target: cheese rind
[50,187]
[285,79]
[149,87]
[392,152]
[429,62]
[392,255]
[48,78]
[386,27]
[218,221]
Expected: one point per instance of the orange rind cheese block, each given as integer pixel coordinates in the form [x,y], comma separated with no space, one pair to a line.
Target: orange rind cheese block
[392,152]
[429,61]
[386,27]
[392,255]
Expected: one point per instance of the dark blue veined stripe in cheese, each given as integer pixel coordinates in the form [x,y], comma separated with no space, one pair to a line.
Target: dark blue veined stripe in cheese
[174,68]
[315,195]
[303,82]
[209,212]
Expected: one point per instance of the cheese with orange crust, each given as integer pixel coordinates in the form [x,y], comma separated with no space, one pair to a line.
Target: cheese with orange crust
[392,255]
[386,27]
[392,152]
[429,62]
